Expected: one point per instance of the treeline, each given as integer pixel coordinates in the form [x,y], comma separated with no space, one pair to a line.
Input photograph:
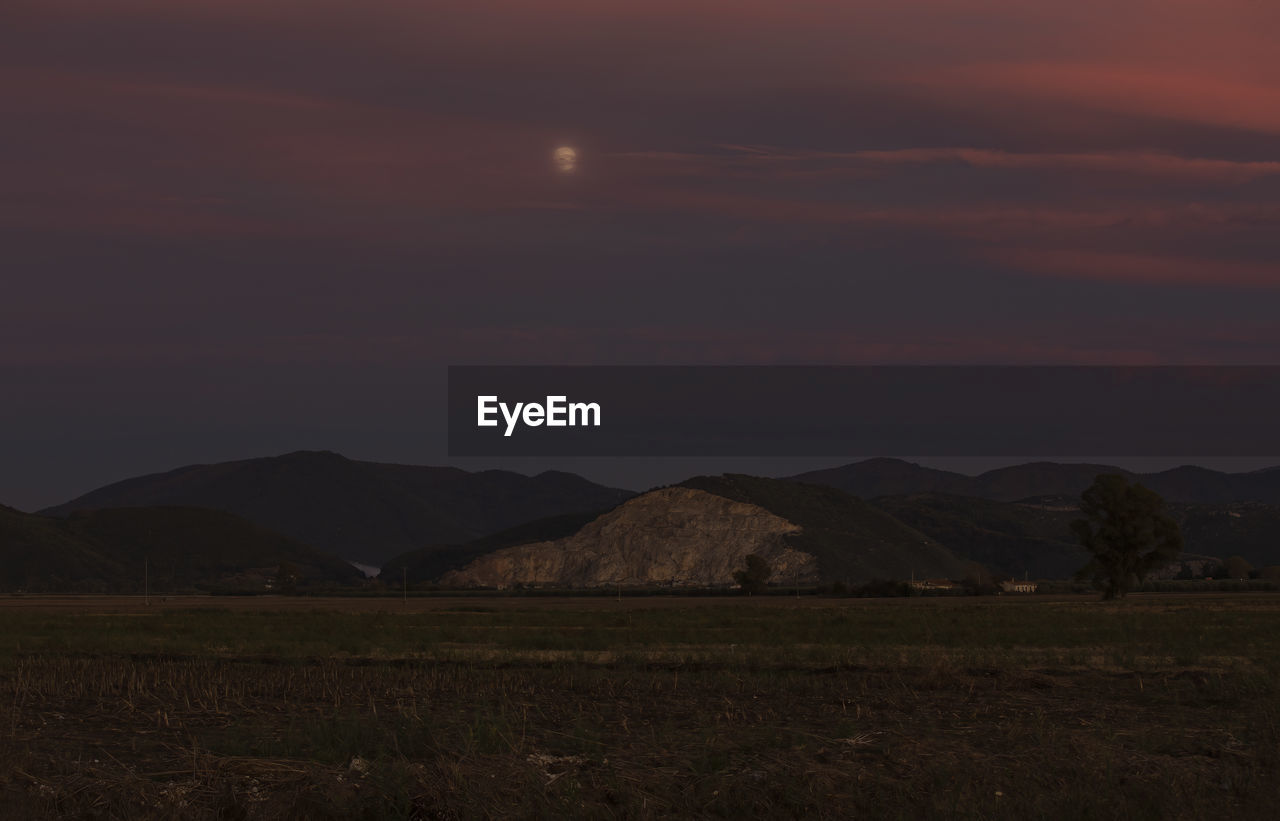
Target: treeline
[1236,567]
[1171,586]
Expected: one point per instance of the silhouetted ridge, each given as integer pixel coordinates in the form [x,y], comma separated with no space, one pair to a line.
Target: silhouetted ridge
[1189,484]
[362,511]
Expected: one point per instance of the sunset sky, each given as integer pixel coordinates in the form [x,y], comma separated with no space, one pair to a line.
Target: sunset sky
[232,228]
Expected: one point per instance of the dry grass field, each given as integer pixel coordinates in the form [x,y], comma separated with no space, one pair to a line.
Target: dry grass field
[1161,706]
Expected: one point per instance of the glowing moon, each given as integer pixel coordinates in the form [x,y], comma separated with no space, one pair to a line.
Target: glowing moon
[566,159]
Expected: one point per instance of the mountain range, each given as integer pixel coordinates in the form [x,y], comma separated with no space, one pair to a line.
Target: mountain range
[881,518]
[1189,484]
[362,511]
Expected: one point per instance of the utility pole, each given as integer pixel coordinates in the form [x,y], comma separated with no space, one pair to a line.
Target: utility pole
[406,584]
[146,581]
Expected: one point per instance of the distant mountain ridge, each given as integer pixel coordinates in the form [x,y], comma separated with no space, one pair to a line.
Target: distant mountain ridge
[1187,484]
[361,511]
[881,518]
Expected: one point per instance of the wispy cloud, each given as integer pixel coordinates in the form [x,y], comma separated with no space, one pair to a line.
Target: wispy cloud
[791,162]
[1169,93]
[1147,269]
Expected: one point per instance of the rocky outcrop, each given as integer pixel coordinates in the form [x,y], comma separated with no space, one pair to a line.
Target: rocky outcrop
[673,536]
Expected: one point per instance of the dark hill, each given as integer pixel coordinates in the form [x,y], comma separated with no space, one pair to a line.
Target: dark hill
[362,511]
[888,477]
[1033,536]
[1004,537]
[1187,484]
[852,540]
[184,548]
[1038,479]
[1250,530]
[430,563]
[38,553]
[1197,485]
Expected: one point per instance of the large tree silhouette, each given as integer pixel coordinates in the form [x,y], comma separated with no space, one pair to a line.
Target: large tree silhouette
[1127,532]
[754,578]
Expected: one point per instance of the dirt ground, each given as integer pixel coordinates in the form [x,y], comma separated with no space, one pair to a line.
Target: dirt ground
[742,727]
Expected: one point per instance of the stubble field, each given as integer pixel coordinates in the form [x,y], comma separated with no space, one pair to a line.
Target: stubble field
[1161,706]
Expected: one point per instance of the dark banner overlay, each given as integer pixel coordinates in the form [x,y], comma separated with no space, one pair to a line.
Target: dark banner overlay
[985,411]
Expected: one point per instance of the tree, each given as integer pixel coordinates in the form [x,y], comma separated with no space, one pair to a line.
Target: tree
[1236,567]
[755,576]
[1127,531]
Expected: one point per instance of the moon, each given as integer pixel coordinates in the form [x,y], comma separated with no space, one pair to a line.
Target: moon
[566,159]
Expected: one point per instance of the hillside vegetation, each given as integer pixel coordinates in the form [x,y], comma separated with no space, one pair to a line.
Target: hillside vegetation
[362,511]
[852,540]
[428,564]
[183,549]
[1004,537]
[1188,484]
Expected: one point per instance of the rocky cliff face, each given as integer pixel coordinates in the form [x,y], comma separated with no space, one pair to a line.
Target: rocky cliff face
[674,536]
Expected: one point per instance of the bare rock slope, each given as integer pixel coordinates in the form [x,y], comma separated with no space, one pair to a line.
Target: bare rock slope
[676,536]
[700,532]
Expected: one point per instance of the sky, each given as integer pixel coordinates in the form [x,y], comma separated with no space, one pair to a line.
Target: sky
[233,228]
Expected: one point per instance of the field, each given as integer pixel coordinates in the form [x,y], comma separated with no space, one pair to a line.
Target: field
[1161,706]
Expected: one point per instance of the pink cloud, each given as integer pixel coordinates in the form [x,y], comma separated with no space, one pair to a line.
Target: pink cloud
[1150,89]
[1110,343]
[784,163]
[1148,269]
